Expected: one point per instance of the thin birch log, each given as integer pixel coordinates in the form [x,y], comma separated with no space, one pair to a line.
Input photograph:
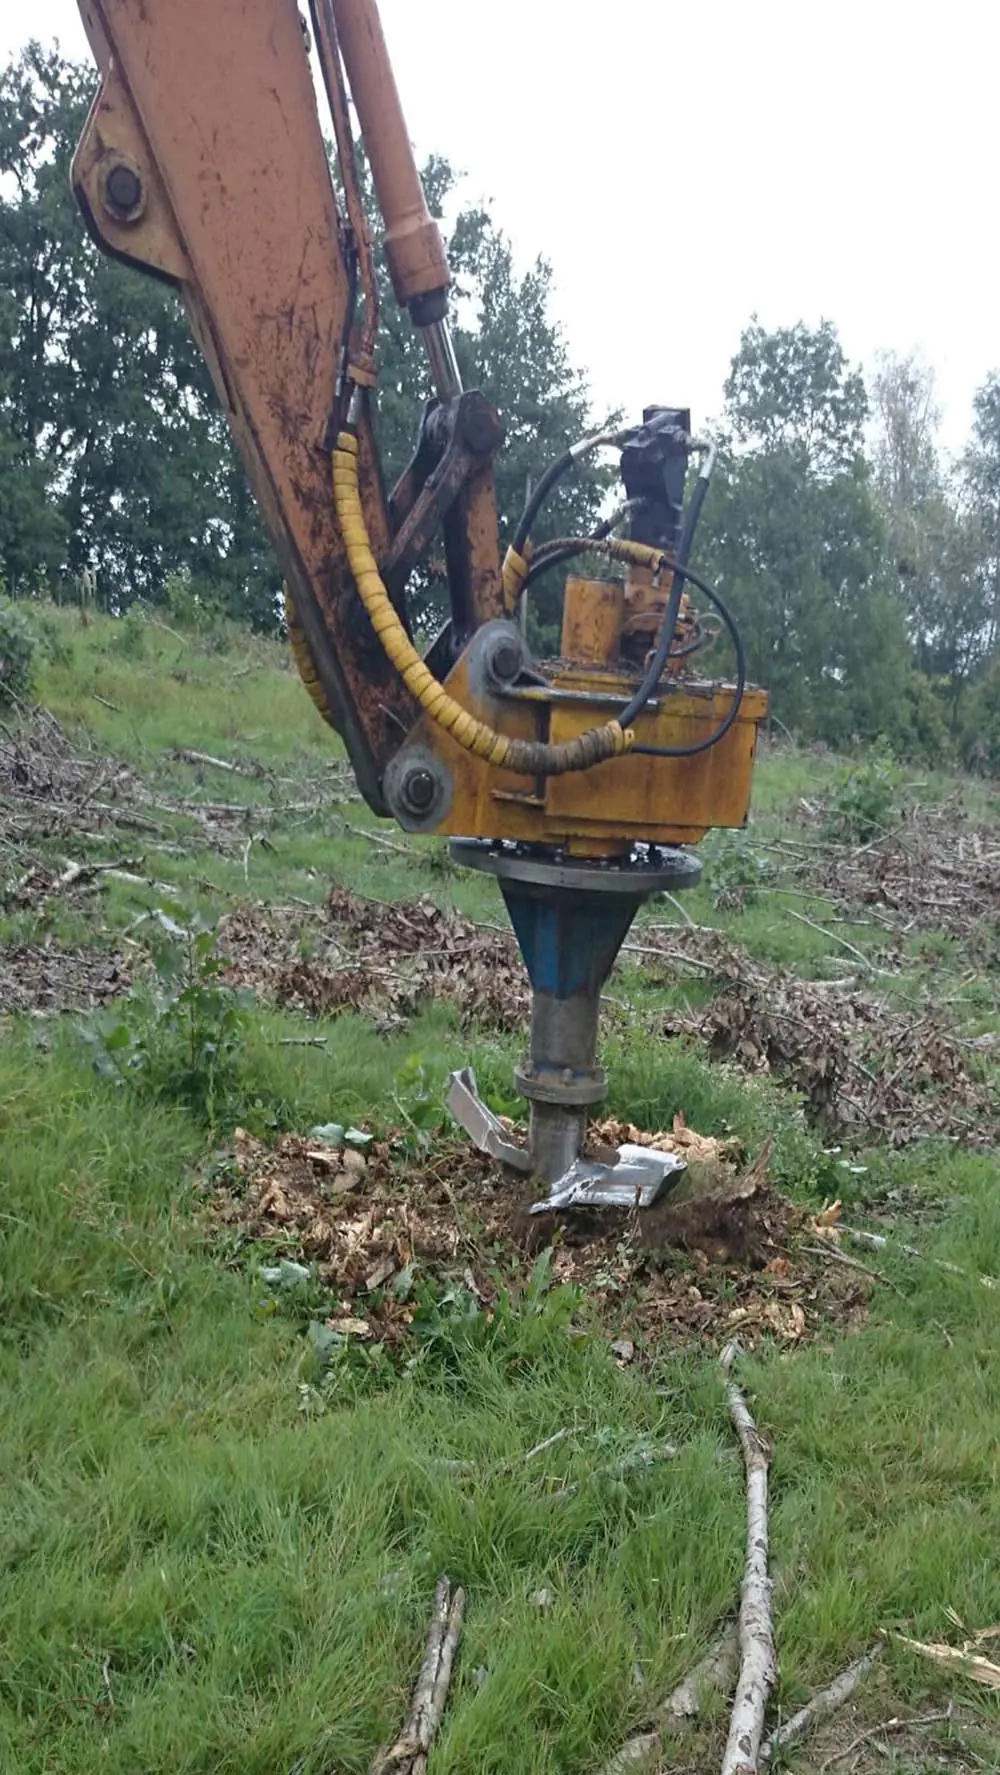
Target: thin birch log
[823,1703]
[758,1661]
[431,1717]
[714,1672]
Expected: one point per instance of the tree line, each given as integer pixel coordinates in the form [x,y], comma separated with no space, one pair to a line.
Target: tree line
[862,566]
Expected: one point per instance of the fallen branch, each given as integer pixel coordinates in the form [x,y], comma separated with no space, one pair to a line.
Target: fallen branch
[637,1752]
[674,955]
[823,1703]
[515,1461]
[758,1660]
[824,931]
[408,1756]
[879,1242]
[667,1451]
[145,881]
[712,1674]
[155,623]
[834,1255]
[715,1672]
[73,875]
[188,757]
[679,906]
[540,1448]
[377,838]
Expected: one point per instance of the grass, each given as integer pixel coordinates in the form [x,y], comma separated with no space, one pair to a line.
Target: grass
[215,1560]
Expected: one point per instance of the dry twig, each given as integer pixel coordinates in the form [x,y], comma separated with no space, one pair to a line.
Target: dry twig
[758,1660]
[827,1249]
[378,838]
[187,756]
[873,1732]
[879,1242]
[967,1660]
[408,1756]
[851,948]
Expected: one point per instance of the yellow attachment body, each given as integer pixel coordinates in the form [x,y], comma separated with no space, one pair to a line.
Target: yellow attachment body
[628,800]
[528,757]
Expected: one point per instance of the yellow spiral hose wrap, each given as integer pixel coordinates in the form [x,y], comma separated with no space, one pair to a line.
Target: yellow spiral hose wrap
[304,659]
[526,757]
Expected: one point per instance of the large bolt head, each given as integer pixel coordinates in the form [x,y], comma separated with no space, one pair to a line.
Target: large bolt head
[506,661]
[418,790]
[123,191]
[481,427]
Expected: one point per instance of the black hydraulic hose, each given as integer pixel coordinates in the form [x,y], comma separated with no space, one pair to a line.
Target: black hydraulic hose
[539,494]
[741,681]
[655,669]
[664,641]
[554,473]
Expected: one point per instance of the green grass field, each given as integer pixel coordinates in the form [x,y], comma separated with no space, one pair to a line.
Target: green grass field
[219,1556]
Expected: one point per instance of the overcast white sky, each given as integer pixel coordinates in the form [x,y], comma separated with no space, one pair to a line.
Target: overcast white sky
[683,166]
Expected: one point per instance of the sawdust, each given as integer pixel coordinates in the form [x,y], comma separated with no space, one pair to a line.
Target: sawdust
[722,1255]
[383,958]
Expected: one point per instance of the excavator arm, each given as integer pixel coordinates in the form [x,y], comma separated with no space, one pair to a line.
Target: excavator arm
[203,163]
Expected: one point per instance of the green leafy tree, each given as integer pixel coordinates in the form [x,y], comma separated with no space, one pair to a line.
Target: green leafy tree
[931,535]
[110,457]
[792,390]
[797,542]
[980,475]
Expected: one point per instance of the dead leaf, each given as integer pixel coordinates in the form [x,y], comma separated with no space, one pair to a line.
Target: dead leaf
[326,1156]
[383,958]
[380,1274]
[828,1215]
[344,1183]
[859,1067]
[350,1327]
[403,1213]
